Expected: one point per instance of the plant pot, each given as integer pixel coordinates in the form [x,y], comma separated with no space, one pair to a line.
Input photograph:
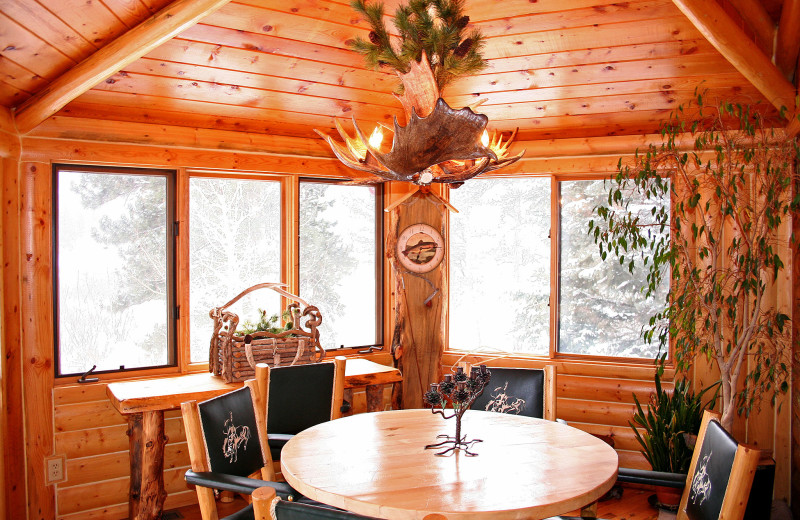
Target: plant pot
[668,497]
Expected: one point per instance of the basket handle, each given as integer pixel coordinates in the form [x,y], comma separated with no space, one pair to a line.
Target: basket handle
[277,287]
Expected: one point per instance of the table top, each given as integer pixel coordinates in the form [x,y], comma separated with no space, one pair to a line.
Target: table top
[375,464]
[167,393]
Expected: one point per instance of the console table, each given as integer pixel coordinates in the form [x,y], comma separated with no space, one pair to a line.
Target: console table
[144,402]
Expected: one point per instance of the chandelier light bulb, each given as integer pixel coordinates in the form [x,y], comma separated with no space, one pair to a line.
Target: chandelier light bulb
[485,138]
[376,138]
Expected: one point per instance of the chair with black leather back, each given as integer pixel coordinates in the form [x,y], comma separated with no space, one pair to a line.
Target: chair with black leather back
[299,397]
[721,473]
[227,444]
[520,391]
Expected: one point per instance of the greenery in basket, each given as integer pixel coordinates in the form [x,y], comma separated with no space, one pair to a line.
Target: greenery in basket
[667,421]
[266,324]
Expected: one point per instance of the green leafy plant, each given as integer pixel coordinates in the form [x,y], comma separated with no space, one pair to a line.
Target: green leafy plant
[266,324]
[667,421]
[438,27]
[729,175]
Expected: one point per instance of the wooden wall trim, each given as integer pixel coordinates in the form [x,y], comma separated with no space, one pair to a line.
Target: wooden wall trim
[12,440]
[46,149]
[102,130]
[37,335]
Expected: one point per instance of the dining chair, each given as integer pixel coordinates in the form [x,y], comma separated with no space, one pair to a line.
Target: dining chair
[268,506]
[227,445]
[520,391]
[720,475]
[299,397]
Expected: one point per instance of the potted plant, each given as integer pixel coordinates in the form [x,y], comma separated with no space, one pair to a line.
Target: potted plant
[669,425]
[721,243]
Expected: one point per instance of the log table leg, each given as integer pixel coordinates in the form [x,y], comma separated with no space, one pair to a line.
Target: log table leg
[374,398]
[147,441]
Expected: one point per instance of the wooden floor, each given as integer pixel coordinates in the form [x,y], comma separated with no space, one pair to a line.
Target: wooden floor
[632,506]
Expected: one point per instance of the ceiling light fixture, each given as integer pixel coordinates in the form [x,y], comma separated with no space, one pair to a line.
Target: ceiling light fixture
[438,144]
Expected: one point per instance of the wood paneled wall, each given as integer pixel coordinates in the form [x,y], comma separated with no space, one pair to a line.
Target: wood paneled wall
[77,422]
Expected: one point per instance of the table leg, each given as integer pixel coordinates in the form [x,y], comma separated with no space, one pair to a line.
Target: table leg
[146,441]
[589,511]
[374,398]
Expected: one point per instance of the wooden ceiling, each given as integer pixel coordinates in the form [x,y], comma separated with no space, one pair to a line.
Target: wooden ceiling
[557,68]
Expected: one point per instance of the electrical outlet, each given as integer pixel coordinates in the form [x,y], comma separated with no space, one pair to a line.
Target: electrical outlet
[55,469]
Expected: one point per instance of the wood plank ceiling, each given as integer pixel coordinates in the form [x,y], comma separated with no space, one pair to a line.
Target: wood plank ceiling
[557,68]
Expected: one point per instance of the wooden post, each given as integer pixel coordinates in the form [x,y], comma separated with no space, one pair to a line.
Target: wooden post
[147,441]
[262,502]
[421,335]
[338,387]
[197,454]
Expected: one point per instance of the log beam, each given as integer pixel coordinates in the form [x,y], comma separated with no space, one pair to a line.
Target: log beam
[788,43]
[112,58]
[718,28]
[755,15]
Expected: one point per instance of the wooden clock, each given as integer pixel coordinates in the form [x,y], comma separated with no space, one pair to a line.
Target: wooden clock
[420,248]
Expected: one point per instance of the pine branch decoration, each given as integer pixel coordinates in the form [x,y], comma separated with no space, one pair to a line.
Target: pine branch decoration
[438,27]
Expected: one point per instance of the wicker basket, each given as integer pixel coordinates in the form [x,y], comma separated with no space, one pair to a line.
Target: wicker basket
[234,356]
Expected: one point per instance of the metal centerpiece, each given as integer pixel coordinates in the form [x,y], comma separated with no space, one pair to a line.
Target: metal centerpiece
[461,391]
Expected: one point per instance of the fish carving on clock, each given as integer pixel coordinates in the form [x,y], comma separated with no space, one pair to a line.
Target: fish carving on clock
[420,248]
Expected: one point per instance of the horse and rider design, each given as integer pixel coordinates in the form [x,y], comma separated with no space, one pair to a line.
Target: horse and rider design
[235,437]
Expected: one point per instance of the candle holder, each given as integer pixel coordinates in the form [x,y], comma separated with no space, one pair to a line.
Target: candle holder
[461,391]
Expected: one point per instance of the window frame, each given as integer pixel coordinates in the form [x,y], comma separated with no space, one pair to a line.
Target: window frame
[173,308]
[285,232]
[380,301]
[555,281]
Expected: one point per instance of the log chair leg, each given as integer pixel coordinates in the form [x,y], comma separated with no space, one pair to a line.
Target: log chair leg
[147,441]
[374,398]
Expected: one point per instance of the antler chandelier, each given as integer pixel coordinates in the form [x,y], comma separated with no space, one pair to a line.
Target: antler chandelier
[438,143]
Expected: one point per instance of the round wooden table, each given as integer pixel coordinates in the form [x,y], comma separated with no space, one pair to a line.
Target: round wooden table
[375,464]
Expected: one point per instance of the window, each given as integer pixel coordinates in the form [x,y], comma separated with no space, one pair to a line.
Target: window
[500,265]
[235,243]
[500,276]
[602,309]
[114,269]
[341,261]
[117,300]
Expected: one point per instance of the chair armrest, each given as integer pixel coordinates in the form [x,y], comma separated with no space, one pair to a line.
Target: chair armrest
[653,478]
[279,440]
[244,485]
